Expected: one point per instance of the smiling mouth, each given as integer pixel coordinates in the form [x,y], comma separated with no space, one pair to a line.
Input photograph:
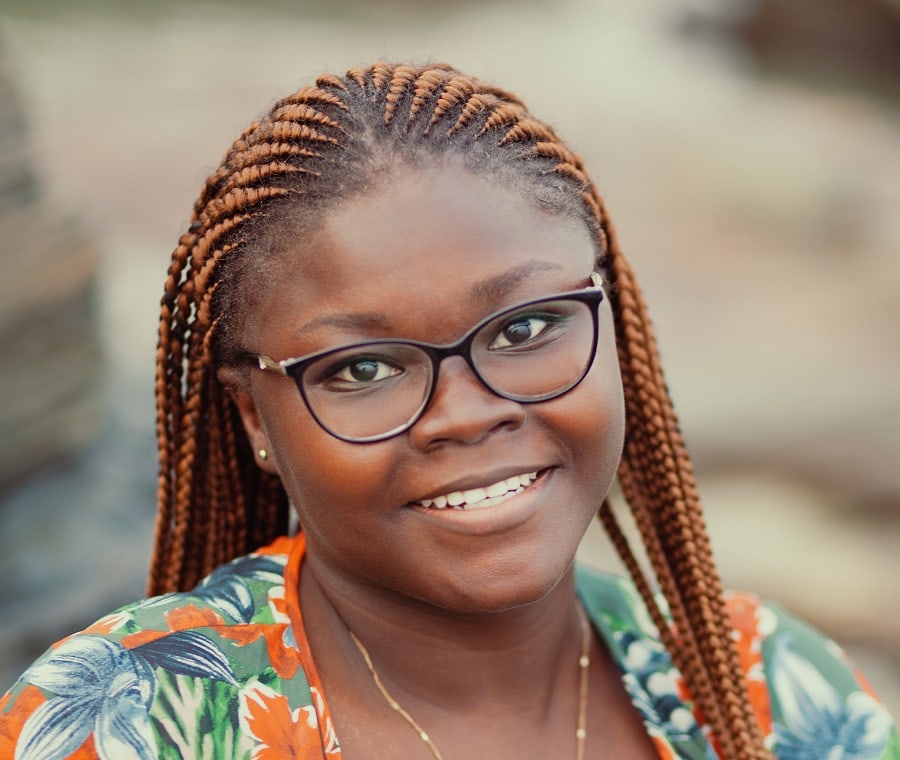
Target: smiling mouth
[482,498]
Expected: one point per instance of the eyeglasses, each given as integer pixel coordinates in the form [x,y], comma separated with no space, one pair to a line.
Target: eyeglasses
[376,389]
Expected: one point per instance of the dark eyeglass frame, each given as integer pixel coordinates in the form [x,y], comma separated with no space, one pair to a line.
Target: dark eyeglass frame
[295,367]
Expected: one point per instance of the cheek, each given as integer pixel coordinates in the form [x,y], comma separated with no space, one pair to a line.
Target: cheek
[320,472]
[596,423]
[605,383]
[327,479]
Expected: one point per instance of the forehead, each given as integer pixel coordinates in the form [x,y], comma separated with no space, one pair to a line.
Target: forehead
[430,244]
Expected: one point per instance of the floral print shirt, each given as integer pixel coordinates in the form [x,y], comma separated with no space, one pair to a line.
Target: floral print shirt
[225,672]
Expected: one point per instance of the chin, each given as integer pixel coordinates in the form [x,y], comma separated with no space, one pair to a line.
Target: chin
[501,591]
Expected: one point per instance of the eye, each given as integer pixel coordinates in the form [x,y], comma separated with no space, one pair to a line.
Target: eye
[367,368]
[360,370]
[519,331]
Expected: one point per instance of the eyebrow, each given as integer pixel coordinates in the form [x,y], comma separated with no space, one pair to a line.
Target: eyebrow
[363,320]
[494,288]
[490,289]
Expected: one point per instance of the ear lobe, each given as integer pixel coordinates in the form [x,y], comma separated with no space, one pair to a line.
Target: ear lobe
[238,389]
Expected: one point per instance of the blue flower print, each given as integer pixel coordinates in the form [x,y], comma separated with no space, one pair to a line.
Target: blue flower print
[226,589]
[651,680]
[96,686]
[187,653]
[818,723]
[649,685]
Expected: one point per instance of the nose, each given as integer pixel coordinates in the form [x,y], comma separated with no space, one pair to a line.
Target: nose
[462,409]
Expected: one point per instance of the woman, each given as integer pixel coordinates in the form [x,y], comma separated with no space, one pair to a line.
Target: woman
[400,311]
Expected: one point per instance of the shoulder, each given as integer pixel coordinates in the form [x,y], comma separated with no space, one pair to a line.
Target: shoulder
[808,694]
[243,594]
[810,699]
[191,671]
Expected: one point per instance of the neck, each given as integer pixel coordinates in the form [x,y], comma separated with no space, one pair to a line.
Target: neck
[517,658]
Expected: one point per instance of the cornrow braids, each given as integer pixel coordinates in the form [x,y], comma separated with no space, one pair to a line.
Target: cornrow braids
[327,142]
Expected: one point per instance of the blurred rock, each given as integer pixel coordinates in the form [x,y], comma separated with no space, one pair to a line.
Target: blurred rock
[51,356]
[855,43]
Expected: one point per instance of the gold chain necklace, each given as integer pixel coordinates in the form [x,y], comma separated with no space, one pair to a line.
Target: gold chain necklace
[584,664]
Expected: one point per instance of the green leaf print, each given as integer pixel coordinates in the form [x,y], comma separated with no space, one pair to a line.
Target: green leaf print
[196,717]
[892,751]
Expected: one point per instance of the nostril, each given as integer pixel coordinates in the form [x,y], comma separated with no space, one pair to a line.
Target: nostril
[463,409]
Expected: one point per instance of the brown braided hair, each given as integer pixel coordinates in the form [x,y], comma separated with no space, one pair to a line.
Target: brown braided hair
[330,141]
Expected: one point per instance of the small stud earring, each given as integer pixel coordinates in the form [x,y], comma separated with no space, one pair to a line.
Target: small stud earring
[263,454]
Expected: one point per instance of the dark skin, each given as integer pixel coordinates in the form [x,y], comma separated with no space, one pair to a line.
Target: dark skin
[470,616]
[516,695]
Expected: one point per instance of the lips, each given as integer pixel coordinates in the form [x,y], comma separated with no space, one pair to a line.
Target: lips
[482,498]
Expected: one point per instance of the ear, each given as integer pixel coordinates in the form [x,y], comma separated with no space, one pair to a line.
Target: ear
[237,387]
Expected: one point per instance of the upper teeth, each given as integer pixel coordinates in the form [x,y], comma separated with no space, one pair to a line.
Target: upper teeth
[483,497]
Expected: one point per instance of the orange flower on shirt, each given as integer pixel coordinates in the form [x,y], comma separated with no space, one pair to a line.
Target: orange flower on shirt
[743,610]
[285,659]
[184,618]
[87,751]
[11,723]
[107,624]
[663,748]
[281,733]
[192,616]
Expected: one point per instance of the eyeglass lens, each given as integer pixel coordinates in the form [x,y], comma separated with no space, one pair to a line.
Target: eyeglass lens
[532,353]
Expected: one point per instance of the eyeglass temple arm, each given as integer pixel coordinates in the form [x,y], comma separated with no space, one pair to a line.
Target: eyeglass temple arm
[596,280]
[266,363]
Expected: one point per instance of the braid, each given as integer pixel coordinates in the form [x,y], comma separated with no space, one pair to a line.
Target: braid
[325,143]
[658,483]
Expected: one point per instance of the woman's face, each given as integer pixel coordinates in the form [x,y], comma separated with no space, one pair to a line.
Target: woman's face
[426,256]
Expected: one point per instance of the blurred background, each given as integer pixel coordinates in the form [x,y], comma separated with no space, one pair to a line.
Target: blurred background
[748,150]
